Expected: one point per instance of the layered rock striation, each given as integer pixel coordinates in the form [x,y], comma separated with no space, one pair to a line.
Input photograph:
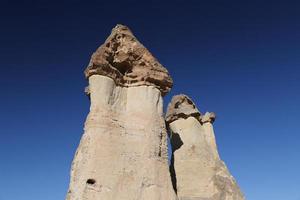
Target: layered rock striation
[197,171]
[123,152]
[125,60]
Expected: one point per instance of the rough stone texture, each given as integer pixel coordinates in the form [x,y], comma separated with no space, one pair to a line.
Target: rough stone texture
[124,59]
[181,107]
[198,173]
[123,152]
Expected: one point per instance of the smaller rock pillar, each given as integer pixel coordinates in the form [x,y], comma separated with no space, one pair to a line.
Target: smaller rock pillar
[197,171]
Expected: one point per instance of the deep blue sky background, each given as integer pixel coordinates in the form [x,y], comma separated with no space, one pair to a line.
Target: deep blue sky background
[239,59]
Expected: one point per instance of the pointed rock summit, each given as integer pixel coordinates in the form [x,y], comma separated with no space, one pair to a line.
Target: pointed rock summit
[198,173]
[124,59]
[123,152]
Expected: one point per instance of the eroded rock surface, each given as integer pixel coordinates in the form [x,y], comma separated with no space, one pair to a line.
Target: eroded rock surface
[123,152]
[181,107]
[123,58]
[198,173]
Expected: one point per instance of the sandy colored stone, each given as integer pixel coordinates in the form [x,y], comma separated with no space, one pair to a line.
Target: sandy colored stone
[123,152]
[198,173]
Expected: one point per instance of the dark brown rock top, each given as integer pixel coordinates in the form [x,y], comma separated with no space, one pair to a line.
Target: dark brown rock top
[123,58]
[181,106]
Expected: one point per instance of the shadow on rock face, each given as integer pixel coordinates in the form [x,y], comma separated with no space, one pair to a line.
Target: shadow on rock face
[176,143]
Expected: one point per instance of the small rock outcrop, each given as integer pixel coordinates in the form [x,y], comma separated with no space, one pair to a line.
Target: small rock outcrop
[181,107]
[123,152]
[198,173]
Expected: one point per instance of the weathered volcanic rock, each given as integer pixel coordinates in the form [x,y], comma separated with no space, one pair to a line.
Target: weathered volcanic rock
[123,152]
[124,59]
[198,173]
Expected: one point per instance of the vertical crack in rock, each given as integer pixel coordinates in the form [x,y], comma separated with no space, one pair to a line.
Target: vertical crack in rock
[196,168]
[123,152]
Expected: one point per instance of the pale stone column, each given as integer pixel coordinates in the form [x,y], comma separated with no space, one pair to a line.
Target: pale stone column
[207,123]
[123,152]
[197,170]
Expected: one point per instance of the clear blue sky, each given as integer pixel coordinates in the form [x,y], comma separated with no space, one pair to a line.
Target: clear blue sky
[239,59]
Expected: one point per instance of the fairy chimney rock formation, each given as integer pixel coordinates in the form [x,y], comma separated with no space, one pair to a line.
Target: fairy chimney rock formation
[198,173]
[123,152]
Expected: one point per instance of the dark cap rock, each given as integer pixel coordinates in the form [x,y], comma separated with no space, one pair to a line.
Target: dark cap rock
[123,58]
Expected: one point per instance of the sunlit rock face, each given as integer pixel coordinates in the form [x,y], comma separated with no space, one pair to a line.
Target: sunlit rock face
[197,171]
[123,152]
[124,59]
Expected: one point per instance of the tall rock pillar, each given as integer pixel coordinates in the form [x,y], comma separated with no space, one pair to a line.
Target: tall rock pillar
[198,173]
[123,152]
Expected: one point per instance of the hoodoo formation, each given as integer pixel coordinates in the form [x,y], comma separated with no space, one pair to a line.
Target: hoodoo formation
[197,171]
[123,153]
